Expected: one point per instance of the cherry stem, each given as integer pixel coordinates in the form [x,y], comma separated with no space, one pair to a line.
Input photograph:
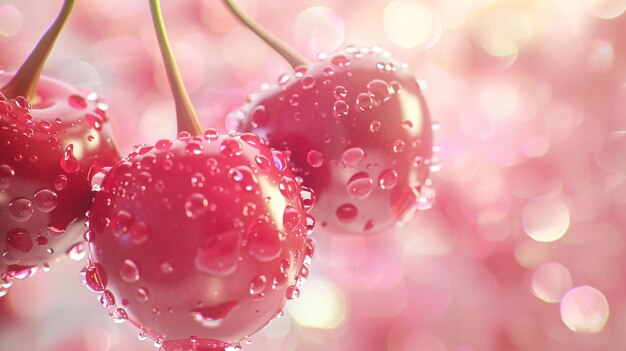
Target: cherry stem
[186,117]
[25,81]
[284,50]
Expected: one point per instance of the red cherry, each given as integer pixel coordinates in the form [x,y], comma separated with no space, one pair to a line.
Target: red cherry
[197,239]
[49,144]
[359,134]
[357,129]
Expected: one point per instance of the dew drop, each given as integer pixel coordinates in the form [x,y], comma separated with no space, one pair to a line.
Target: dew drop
[194,149]
[340,92]
[129,271]
[353,157]
[60,182]
[77,101]
[94,121]
[18,243]
[212,317]
[45,200]
[375,126]
[288,187]
[120,223]
[264,242]
[379,90]
[308,82]
[107,299]
[68,162]
[307,196]
[315,158]
[211,134]
[231,147]
[398,146]
[196,205]
[95,277]
[291,218]
[388,179]
[364,102]
[139,232]
[218,255]
[280,161]
[197,180]
[360,186]
[7,174]
[21,210]
[163,144]
[341,108]
[347,213]
[258,284]
[292,293]
[142,294]
[252,140]
[263,162]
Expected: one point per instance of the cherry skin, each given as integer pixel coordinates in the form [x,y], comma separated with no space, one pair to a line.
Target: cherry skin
[198,238]
[47,152]
[358,132]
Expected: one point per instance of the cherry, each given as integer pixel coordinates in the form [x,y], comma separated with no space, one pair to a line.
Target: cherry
[52,137]
[357,129]
[197,239]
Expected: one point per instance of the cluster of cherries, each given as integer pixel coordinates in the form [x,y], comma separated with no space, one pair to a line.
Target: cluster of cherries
[199,241]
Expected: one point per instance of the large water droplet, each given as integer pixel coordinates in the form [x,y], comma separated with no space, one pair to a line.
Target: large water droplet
[18,243]
[352,157]
[196,205]
[45,200]
[341,108]
[194,148]
[7,174]
[68,162]
[211,134]
[292,293]
[218,255]
[94,121]
[244,177]
[264,242]
[98,178]
[340,92]
[21,210]
[347,213]
[258,284]
[379,90]
[231,147]
[77,101]
[288,187]
[263,162]
[360,186]
[120,223]
[212,317]
[95,277]
[280,161]
[129,271]
[139,232]
[364,102]
[388,179]
[291,218]
[315,159]
[60,182]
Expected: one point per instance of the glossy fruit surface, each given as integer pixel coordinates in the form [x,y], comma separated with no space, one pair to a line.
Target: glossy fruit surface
[358,132]
[198,238]
[47,152]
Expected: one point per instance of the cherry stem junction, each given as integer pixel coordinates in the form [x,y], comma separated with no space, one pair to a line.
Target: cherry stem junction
[25,81]
[186,117]
[289,54]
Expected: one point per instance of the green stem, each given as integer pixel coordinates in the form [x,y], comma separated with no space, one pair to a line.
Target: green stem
[186,117]
[25,81]
[284,50]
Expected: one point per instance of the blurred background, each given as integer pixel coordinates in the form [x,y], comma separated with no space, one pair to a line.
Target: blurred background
[524,248]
